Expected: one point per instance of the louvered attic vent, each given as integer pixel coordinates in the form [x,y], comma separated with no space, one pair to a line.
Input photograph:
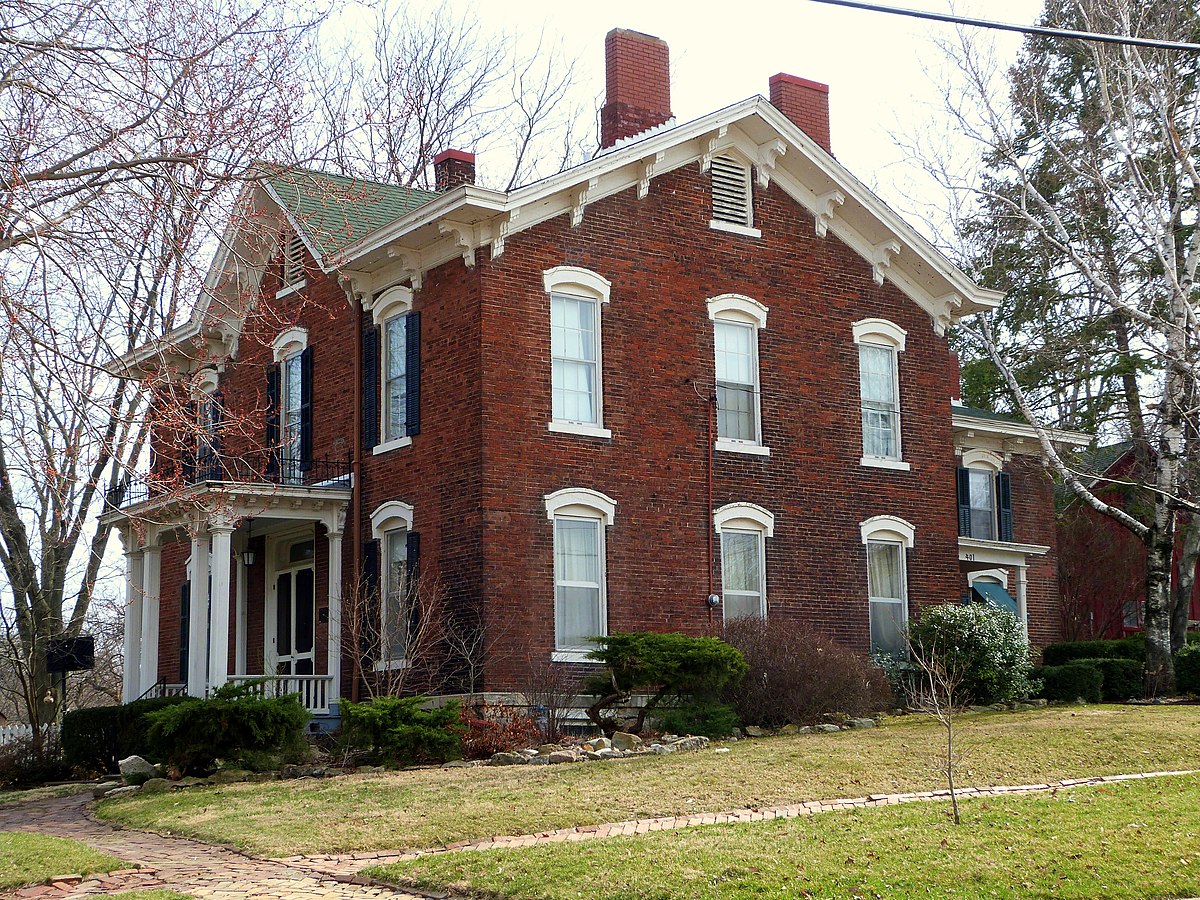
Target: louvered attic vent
[731,192]
[293,262]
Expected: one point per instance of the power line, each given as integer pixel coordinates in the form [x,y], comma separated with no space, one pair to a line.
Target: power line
[1022,29]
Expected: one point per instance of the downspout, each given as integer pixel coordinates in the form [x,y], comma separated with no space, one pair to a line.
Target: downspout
[356,480]
[712,406]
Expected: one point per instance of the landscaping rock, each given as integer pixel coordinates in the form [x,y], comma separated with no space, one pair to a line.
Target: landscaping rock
[508,759]
[804,729]
[999,707]
[861,723]
[600,743]
[753,731]
[135,770]
[458,764]
[547,749]
[156,786]
[827,729]
[684,745]
[539,760]
[593,755]
[105,787]
[789,729]
[661,749]
[623,740]
[528,752]
[124,791]
[1039,702]
[229,776]
[563,756]
[609,753]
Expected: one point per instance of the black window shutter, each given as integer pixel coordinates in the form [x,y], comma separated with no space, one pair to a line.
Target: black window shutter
[1004,495]
[306,411]
[271,440]
[412,566]
[185,605]
[370,572]
[964,501]
[412,347]
[412,550]
[370,388]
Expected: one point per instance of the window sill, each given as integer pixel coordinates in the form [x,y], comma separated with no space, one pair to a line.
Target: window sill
[391,665]
[291,289]
[879,462]
[394,444]
[725,446]
[733,228]
[573,656]
[579,428]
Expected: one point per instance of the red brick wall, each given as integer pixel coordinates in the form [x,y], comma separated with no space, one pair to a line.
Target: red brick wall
[175,553]
[664,262]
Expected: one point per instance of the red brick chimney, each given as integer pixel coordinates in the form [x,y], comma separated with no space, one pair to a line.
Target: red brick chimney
[452,168]
[804,102]
[638,85]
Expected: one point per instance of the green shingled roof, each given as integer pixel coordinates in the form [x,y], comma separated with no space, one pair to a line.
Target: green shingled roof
[335,211]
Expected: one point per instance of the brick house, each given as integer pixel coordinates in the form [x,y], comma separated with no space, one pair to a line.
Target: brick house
[702,375]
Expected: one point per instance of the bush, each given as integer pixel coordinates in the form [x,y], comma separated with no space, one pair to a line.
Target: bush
[987,644]
[1132,647]
[669,667]
[23,763]
[1187,670]
[399,731]
[704,716]
[192,735]
[1071,681]
[1122,678]
[96,739]
[799,677]
[494,728]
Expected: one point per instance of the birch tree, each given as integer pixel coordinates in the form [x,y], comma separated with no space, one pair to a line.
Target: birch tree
[1087,212]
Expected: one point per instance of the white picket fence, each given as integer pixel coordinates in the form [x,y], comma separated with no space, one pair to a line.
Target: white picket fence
[12,733]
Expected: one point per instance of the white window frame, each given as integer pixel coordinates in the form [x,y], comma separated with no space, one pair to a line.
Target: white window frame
[737,309]
[390,306]
[885,335]
[745,518]
[894,531]
[581,504]
[289,431]
[985,461]
[584,284]
[389,521]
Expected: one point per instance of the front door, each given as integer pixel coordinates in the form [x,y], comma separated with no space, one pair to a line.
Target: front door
[295,616]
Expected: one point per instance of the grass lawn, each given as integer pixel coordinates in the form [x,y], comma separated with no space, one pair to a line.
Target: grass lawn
[433,807]
[1129,840]
[31,858]
[41,793]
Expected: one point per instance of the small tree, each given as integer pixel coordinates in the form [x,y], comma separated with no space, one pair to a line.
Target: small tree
[940,692]
[665,666]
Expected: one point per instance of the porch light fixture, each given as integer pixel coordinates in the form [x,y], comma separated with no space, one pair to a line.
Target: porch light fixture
[248,557]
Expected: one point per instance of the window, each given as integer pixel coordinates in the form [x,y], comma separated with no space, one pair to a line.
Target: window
[289,406]
[736,323]
[731,192]
[743,528]
[579,517]
[395,378]
[289,417]
[887,539]
[984,498]
[879,344]
[397,556]
[576,298]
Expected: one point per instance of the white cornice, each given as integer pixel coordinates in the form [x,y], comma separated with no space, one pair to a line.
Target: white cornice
[965,422]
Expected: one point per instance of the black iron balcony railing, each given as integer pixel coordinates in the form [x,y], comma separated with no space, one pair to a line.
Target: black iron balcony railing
[259,467]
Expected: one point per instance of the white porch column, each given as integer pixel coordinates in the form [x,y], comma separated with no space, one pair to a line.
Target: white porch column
[334,653]
[151,588]
[1022,606]
[218,630]
[198,617]
[131,670]
[239,623]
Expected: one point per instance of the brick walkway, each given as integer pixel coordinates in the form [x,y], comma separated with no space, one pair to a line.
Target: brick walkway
[206,871]
[178,864]
[349,863]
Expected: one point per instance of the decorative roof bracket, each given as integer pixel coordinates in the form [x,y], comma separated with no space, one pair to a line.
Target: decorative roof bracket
[410,261]
[464,238]
[768,153]
[881,259]
[503,230]
[648,167]
[713,144]
[579,199]
[827,206]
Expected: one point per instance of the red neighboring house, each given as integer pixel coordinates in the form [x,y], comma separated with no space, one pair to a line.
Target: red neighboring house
[708,363]
[1103,564]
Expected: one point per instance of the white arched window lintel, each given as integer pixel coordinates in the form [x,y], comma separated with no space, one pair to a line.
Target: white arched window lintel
[737,307]
[879,331]
[390,516]
[581,501]
[999,576]
[888,528]
[749,516]
[576,279]
[982,459]
[289,342]
[392,302]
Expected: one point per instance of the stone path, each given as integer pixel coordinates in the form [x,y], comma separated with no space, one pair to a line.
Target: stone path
[207,871]
[349,863]
[178,864]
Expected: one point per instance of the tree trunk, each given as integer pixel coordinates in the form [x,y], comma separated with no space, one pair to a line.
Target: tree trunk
[1185,584]
[1160,667]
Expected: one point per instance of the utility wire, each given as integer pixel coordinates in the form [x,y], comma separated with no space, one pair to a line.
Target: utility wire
[1022,29]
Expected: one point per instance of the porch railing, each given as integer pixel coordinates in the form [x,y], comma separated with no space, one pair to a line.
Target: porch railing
[313,689]
[257,467]
[163,689]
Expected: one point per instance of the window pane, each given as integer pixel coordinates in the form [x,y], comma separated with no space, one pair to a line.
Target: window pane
[577,563]
[735,412]
[572,328]
[885,577]
[577,552]
[395,602]
[574,386]
[879,432]
[983,505]
[740,564]
[734,352]
[887,627]
[738,606]
[577,614]
[877,374]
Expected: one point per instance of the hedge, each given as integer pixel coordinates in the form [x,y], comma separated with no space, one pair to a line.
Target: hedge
[97,738]
[1070,681]
[1132,647]
[1187,671]
[1122,678]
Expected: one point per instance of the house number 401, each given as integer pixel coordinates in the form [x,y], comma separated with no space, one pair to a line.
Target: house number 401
[969,557]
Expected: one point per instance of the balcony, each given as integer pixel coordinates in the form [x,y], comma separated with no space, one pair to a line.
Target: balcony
[262,469]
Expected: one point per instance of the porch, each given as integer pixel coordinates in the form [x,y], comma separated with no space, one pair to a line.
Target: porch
[260,599]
